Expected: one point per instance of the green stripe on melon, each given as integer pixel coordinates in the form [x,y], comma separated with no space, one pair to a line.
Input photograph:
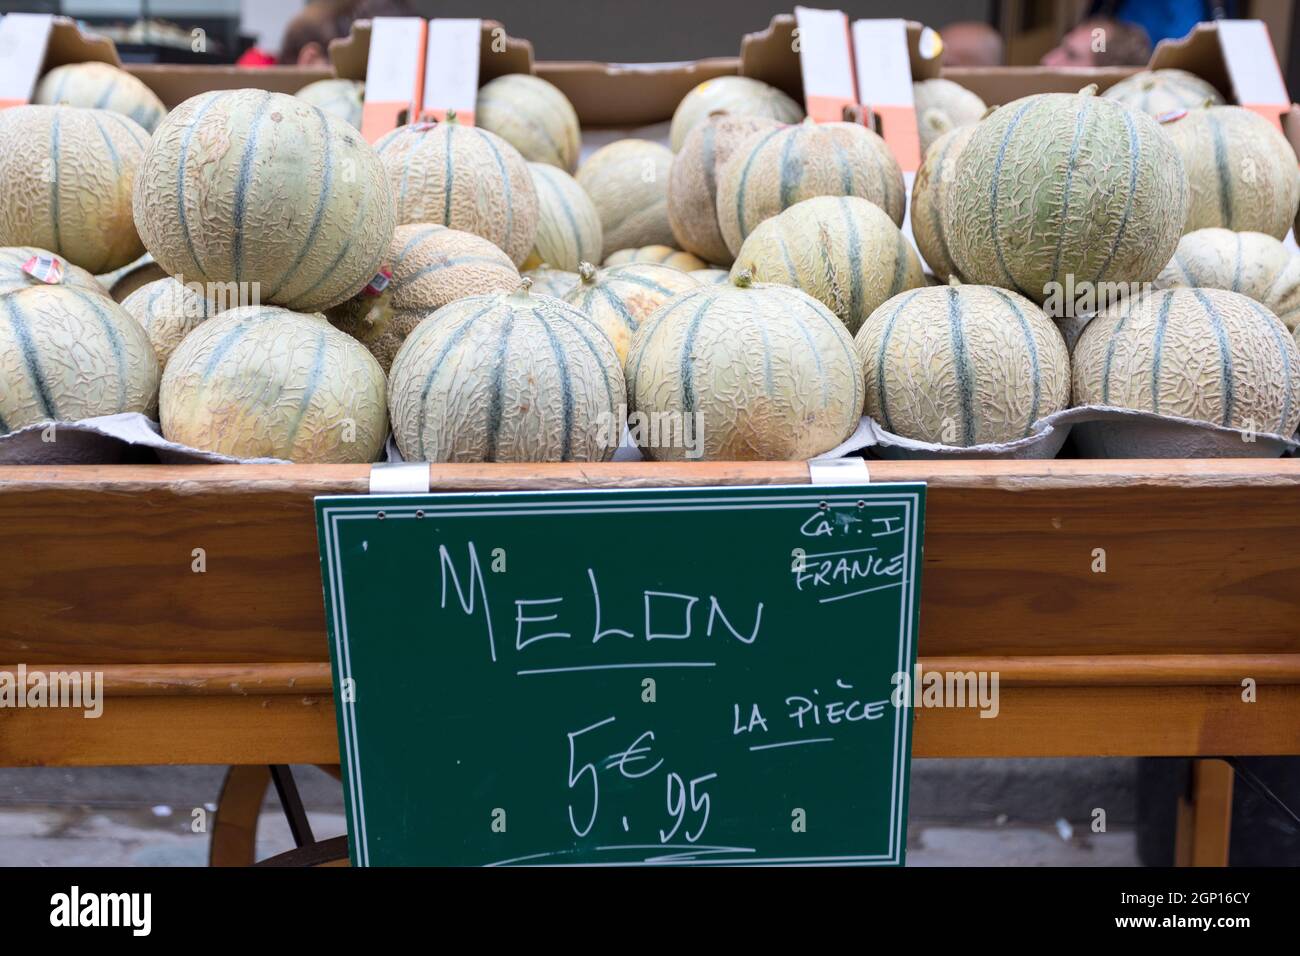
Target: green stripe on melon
[768,372]
[264,382]
[734,95]
[628,182]
[620,298]
[962,365]
[507,378]
[1206,354]
[1157,92]
[101,86]
[168,311]
[930,193]
[533,116]
[1247,262]
[568,226]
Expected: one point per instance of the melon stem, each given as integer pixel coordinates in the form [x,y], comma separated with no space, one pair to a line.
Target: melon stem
[744,279]
[586,272]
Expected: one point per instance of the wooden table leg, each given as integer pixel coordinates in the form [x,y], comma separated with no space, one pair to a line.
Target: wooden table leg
[1205,816]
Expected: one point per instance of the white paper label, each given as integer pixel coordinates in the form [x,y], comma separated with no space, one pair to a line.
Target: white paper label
[451,65]
[824,56]
[23,39]
[1252,63]
[394,60]
[884,67]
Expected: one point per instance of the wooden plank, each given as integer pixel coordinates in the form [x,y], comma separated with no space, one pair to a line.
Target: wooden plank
[1204,829]
[96,562]
[1032,722]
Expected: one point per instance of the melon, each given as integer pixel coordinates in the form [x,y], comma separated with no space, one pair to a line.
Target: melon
[620,298]
[508,378]
[267,192]
[101,86]
[465,178]
[843,251]
[659,255]
[693,182]
[735,95]
[962,365]
[628,182]
[67,354]
[942,106]
[929,193]
[341,98]
[1247,262]
[772,171]
[711,276]
[265,382]
[568,224]
[430,266]
[1157,92]
[552,282]
[745,371]
[65,183]
[1242,172]
[1205,354]
[1058,187]
[533,116]
[14,274]
[120,283]
[168,310]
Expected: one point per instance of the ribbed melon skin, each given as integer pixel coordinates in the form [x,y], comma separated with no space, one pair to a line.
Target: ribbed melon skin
[568,226]
[628,182]
[1058,184]
[1206,354]
[620,298]
[843,251]
[465,178]
[246,186]
[1242,172]
[929,193]
[711,276]
[265,382]
[770,370]
[693,182]
[736,95]
[507,378]
[962,365]
[168,311]
[772,171]
[341,98]
[68,354]
[13,278]
[943,106]
[1157,92]
[101,86]
[1247,262]
[533,116]
[659,255]
[65,183]
[431,266]
[552,282]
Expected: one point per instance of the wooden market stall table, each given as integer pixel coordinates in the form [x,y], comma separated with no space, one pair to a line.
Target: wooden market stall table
[1200,592]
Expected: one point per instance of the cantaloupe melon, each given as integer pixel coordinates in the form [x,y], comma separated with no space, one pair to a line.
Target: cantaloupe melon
[245,186]
[533,116]
[962,365]
[264,382]
[659,255]
[101,86]
[1060,185]
[746,371]
[430,266]
[1247,262]
[943,106]
[341,98]
[1157,92]
[568,225]
[1241,170]
[68,354]
[843,251]
[628,182]
[14,276]
[929,193]
[168,310]
[65,183]
[620,298]
[509,378]
[772,171]
[736,95]
[1206,354]
[553,282]
[465,178]
[711,276]
[693,182]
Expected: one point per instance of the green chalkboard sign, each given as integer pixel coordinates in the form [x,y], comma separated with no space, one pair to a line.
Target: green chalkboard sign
[668,677]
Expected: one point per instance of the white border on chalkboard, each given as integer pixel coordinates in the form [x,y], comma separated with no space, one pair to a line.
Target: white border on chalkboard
[500,504]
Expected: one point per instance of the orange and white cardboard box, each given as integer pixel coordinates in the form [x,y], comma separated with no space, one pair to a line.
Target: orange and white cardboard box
[825,63]
[394,74]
